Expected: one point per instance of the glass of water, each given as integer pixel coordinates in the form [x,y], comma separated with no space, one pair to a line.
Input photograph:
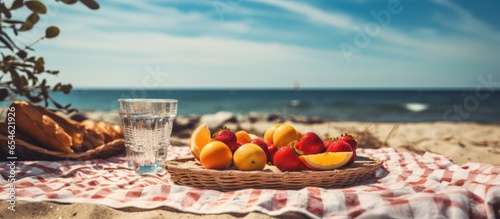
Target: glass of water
[147,125]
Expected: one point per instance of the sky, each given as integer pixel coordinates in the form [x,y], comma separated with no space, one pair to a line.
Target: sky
[161,44]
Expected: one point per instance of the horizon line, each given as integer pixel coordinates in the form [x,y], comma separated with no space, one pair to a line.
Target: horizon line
[285,88]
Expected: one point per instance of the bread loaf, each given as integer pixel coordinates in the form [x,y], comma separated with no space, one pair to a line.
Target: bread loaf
[82,139]
[110,132]
[41,128]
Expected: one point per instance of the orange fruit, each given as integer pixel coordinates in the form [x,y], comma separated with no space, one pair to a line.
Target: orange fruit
[299,135]
[199,138]
[249,157]
[285,134]
[242,137]
[326,161]
[268,135]
[216,155]
[252,136]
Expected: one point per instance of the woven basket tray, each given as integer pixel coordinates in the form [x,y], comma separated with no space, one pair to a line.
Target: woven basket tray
[189,172]
[27,151]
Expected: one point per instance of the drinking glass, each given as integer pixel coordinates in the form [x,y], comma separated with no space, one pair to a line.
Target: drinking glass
[147,126]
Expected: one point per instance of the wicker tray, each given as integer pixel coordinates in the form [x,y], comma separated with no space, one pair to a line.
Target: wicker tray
[189,172]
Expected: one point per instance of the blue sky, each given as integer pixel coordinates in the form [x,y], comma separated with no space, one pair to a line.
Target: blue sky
[274,44]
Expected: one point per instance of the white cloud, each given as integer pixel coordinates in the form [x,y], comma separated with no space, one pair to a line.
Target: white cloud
[338,20]
[113,46]
[466,22]
[407,43]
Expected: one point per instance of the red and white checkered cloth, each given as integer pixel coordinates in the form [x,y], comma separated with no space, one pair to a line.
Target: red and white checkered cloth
[410,186]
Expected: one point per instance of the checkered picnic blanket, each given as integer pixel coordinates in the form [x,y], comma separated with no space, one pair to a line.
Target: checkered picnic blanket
[409,186]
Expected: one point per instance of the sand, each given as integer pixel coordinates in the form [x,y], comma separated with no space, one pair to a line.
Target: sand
[52,210]
[461,142]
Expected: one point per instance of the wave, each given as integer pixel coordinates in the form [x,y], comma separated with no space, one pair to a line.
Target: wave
[416,107]
[295,102]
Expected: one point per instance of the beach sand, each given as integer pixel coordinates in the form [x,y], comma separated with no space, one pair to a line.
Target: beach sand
[461,142]
[52,210]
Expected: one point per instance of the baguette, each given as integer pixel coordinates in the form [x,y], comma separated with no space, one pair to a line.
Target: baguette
[41,128]
[82,139]
[110,132]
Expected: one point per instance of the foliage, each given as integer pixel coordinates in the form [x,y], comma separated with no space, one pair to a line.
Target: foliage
[25,71]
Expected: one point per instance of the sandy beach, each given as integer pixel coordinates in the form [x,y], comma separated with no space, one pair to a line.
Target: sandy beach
[461,142]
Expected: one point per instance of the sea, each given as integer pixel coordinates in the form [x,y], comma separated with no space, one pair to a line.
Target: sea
[366,105]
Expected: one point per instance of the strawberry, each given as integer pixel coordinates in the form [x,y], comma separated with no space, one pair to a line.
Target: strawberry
[339,146]
[262,144]
[328,142]
[350,140]
[227,137]
[310,143]
[342,146]
[272,150]
[287,159]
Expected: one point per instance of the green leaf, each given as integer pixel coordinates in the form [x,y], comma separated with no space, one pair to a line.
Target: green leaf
[26,26]
[12,21]
[31,59]
[23,81]
[66,88]
[69,2]
[30,22]
[22,54]
[39,65]
[58,106]
[52,32]
[90,4]
[36,6]
[17,4]
[57,87]
[6,43]
[33,18]
[54,72]
[4,93]
[29,48]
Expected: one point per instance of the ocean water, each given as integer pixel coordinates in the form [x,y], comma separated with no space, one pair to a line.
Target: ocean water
[331,105]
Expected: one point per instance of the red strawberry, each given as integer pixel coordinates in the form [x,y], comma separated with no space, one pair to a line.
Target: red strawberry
[272,150]
[286,159]
[227,137]
[342,146]
[339,146]
[328,142]
[350,140]
[262,145]
[310,143]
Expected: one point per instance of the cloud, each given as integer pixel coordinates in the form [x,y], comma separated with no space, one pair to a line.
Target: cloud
[408,43]
[251,47]
[465,22]
[333,19]
[118,44]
